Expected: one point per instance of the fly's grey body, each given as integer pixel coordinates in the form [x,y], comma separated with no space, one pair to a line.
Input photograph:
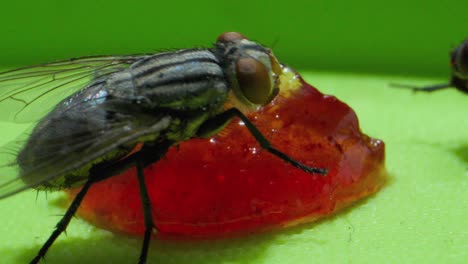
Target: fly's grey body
[98,116]
[175,91]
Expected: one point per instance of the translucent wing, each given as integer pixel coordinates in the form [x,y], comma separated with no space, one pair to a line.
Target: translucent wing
[81,150]
[27,94]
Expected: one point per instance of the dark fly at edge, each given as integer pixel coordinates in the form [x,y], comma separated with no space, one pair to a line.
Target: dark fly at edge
[110,105]
[459,78]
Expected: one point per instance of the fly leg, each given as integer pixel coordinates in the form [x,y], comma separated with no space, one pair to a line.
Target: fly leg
[430,88]
[218,121]
[145,201]
[63,223]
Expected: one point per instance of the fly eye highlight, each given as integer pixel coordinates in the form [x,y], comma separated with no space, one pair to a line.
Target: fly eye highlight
[254,81]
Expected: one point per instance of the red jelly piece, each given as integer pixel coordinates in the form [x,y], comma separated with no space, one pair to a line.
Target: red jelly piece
[228,185]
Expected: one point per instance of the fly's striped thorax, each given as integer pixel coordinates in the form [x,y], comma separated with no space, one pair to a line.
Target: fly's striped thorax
[184,79]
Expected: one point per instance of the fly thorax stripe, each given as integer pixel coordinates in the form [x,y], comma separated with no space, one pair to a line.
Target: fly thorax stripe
[184,79]
[195,92]
[179,73]
[161,60]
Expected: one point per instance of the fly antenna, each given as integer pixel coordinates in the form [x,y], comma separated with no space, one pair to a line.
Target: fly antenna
[275,41]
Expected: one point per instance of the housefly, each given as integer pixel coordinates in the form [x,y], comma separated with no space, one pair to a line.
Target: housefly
[94,117]
[459,78]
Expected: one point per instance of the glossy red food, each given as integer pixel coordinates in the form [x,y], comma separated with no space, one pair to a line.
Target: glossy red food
[228,185]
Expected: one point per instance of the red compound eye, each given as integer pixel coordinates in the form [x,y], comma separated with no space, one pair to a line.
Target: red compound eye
[254,80]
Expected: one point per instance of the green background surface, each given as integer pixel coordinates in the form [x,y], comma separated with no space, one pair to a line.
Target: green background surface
[400,36]
[351,49]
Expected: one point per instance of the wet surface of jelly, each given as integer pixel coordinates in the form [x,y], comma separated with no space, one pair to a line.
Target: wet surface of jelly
[228,185]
